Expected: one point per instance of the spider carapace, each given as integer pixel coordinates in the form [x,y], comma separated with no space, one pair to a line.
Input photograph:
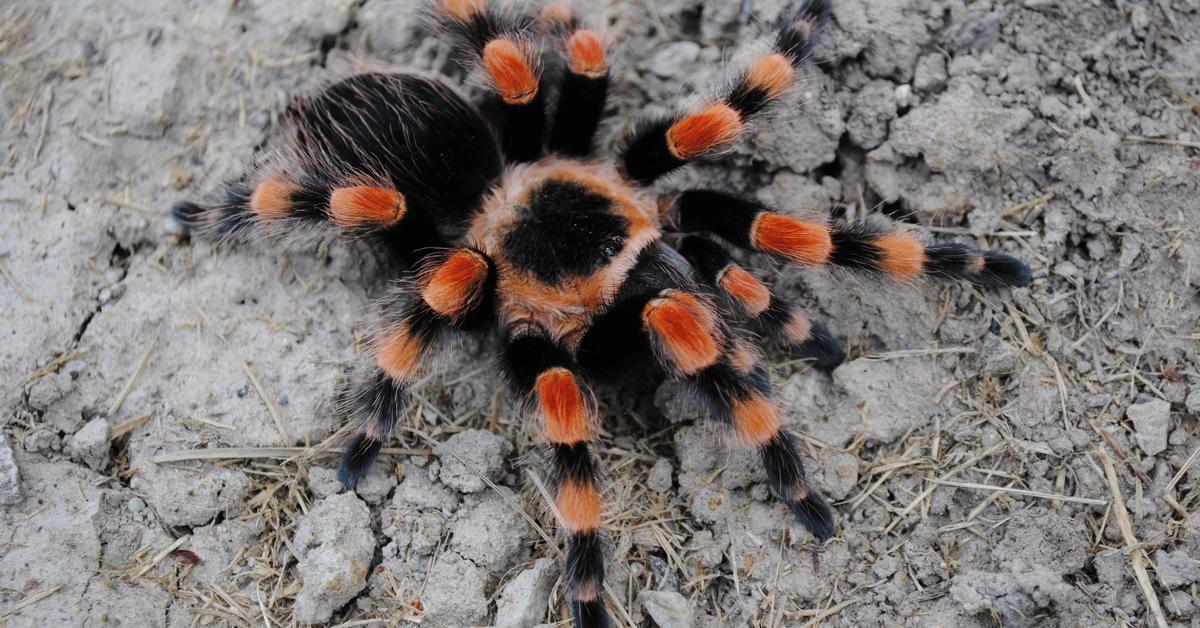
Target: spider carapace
[517,223]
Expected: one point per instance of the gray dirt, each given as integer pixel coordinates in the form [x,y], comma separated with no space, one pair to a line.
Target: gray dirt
[1062,131]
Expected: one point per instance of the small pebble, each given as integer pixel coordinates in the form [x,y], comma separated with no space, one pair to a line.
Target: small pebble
[668,609]
[1151,424]
[659,478]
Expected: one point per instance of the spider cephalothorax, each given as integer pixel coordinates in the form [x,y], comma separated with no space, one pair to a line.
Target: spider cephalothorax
[563,235]
[507,224]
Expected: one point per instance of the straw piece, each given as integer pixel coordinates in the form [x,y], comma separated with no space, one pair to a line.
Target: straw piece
[253,378]
[1137,556]
[249,453]
[137,372]
[161,555]
[1021,491]
[32,598]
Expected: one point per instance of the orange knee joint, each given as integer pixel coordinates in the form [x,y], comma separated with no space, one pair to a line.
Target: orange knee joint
[366,206]
[901,254]
[798,328]
[771,74]
[715,126]
[803,242]
[564,406]
[684,329]
[398,353]
[464,10]
[511,71]
[456,285]
[586,54]
[272,199]
[755,420]
[751,295]
[557,15]
[578,505]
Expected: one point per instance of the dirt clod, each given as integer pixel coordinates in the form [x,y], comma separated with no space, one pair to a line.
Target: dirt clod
[334,545]
[1151,423]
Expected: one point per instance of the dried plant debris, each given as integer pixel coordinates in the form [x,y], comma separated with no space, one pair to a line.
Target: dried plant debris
[1024,461]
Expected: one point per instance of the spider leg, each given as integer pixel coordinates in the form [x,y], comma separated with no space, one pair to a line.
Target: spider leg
[544,374]
[772,316]
[735,389]
[452,292]
[357,157]
[694,345]
[501,41]
[584,83]
[888,249]
[668,143]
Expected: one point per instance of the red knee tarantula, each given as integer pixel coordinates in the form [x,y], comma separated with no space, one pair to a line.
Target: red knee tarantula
[569,254]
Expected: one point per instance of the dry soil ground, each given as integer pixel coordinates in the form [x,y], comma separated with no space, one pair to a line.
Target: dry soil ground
[1020,458]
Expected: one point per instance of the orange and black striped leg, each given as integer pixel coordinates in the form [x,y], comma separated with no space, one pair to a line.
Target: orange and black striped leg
[453,292]
[542,372]
[739,395]
[770,315]
[786,324]
[748,223]
[277,203]
[357,157]
[736,392]
[889,249]
[584,86]
[724,376]
[500,39]
[901,254]
[278,206]
[666,144]
[660,308]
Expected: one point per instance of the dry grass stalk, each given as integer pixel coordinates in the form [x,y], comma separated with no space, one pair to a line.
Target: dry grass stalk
[1137,139]
[933,485]
[249,374]
[32,598]
[51,367]
[1024,205]
[17,287]
[1020,491]
[253,453]
[162,554]
[1137,554]
[137,372]
[127,426]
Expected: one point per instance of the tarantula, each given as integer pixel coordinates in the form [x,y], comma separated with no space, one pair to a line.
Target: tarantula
[569,254]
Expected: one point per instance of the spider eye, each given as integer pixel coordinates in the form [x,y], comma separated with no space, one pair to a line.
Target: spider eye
[612,246]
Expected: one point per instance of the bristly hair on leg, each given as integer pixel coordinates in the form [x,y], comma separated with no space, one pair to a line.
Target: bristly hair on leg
[787,479]
[796,30]
[376,406]
[665,144]
[501,41]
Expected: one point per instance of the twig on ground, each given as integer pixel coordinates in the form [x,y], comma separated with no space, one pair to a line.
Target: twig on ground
[17,287]
[161,555]
[1021,491]
[933,486]
[51,367]
[249,453]
[1137,139]
[1137,555]
[32,598]
[137,372]
[249,374]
